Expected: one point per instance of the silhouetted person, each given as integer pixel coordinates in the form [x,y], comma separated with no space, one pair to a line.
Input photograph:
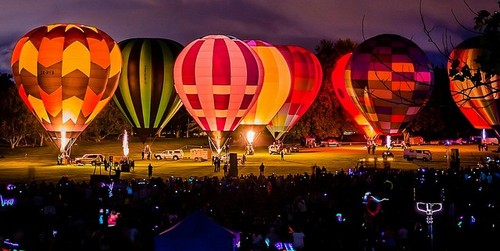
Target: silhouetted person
[261,168]
[150,170]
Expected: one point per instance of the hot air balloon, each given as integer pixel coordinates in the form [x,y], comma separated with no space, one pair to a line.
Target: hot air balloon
[306,83]
[275,89]
[66,74]
[340,88]
[146,93]
[479,104]
[390,80]
[218,78]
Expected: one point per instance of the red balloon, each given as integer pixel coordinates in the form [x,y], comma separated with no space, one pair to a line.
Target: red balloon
[340,88]
[218,78]
[307,76]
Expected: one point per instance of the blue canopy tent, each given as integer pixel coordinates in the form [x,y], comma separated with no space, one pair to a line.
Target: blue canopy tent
[197,232]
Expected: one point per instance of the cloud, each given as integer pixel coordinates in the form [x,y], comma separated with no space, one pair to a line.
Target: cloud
[297,22]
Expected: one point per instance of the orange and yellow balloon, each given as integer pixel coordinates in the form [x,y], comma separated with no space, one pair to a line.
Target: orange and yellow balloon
[275,88]
[66,74]
[479,104]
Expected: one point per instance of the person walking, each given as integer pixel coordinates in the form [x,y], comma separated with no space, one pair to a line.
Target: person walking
[261,168]
[150,170]
[282,154]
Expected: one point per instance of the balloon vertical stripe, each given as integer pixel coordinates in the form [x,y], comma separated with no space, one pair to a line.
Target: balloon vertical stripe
[146,94]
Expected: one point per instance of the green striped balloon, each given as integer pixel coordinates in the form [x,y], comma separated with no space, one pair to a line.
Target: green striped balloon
[146,93]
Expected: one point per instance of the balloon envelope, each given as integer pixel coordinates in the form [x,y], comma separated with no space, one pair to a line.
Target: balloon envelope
[66,74]
[218,78]
[390,80]
[146,93]
[478,103]
[307,76]
[339,85]
[276,84]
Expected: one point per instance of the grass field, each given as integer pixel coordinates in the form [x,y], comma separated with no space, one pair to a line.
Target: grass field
[40,163]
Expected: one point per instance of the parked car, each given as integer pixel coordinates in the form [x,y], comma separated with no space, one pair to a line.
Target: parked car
[387,155]
[91,158]
[294,149]
[170,154]
[330,143]
[274,149]
[421,154]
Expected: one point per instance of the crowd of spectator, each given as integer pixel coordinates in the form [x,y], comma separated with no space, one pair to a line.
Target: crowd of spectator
[354,209]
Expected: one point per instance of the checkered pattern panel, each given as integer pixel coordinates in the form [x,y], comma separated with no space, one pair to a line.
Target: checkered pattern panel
[390,79]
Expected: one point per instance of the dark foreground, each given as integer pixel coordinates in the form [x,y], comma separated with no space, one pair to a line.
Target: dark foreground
[368,209]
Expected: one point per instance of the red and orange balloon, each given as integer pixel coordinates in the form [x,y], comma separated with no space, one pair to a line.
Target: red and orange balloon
[479,104]
[340,89]
[66,74]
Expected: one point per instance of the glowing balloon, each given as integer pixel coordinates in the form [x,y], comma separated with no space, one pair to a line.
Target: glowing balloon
[306,83]
[146,93]
[275,88]
[66,74]
[479,104]
[218,79]
[390,80]
[338,81]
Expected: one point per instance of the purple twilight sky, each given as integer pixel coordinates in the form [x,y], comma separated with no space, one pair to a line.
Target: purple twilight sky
[297,22]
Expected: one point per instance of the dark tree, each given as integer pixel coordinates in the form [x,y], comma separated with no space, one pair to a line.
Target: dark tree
[16,121]
[326,118]
[487,28]
[440,117]
[110,121]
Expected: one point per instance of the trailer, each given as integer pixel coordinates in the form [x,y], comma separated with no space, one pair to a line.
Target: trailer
[200,154]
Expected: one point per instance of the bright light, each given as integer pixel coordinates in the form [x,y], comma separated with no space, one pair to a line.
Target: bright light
[484,134]
[388,141]
[125,143]
[64,140]
[250,136]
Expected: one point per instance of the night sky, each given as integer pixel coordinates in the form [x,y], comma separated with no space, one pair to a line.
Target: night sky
[297,22]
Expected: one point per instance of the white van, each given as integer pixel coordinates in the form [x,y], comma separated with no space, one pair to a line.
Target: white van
[421,154]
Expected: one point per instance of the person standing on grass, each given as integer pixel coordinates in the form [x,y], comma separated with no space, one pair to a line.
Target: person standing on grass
[261,168]
[150,170]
